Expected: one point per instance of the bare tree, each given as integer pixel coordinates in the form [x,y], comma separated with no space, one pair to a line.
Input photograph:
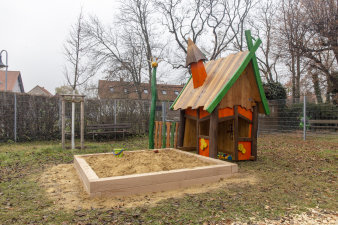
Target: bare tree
[292,34]
[321,47]
[118,51]
[75,50]
[216,25]
[263,23]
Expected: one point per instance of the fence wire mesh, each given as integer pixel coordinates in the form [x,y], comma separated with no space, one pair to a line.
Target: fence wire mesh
[26,117]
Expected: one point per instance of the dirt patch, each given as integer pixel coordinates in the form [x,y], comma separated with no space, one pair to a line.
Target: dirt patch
[63,186]
[108,165]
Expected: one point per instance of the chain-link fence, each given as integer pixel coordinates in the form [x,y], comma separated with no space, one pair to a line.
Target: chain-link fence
[287,116]
[26,117]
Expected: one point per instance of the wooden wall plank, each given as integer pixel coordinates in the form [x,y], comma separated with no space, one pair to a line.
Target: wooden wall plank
[176,134]
[181,129]
[168,125]
[159,140]
[172,134]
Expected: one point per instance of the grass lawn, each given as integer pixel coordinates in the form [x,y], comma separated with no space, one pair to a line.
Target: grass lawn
[293,175]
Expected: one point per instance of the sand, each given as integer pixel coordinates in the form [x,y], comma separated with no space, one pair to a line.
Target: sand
[62,185]
[108,165]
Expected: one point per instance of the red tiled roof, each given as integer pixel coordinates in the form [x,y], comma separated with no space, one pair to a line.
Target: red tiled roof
[126,90]
[12,78]
[37,90]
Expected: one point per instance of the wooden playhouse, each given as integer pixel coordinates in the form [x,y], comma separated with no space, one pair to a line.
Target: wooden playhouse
[220,103]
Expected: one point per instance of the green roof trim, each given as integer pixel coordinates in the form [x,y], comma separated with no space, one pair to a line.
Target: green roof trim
[257,75]
[172,105]
[234,78]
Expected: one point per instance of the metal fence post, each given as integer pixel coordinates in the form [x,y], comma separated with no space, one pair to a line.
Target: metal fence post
[15,105]
[304,119]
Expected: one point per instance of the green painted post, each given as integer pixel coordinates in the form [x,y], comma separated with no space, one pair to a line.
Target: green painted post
[172,134]
[153,106]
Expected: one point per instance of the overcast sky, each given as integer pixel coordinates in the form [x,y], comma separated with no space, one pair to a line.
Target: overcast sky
[33,33]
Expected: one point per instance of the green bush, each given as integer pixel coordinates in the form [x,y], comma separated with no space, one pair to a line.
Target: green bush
[274,90]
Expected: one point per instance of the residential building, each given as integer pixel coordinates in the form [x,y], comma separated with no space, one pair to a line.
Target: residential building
[125,90]
[14,81]
[37,90]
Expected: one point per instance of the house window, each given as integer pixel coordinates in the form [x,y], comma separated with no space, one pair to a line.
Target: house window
[164,92]
[176,92]
[111,89]
[126,90]
[145,91]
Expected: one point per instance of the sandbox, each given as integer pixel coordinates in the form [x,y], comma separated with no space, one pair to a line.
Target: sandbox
[161,177]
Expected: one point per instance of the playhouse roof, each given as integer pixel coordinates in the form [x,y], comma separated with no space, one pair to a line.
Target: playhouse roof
[222,74]
[194,54]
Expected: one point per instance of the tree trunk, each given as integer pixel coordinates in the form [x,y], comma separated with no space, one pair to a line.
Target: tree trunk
[315,81]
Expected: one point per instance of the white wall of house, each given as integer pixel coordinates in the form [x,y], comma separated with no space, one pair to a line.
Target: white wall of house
[16,87]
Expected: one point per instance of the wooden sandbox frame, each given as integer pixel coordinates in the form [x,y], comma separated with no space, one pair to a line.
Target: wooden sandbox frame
[154,181]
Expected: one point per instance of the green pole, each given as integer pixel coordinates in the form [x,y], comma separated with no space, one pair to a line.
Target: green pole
[153,106]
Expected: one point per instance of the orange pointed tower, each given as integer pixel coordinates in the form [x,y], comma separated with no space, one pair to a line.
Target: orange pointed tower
[195,59]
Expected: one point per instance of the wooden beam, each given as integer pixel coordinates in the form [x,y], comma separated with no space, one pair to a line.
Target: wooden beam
[226,118]
[205,118]
[181,129]
[254,132]
[244,118]
[244,139]
[163,135]
[63,122]
[168,125]
[159,140]
[190,117]
[213,133]
[204,136]
[236,133]
[176,134]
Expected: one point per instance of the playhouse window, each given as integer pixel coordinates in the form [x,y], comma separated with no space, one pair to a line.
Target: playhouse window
[225,137]
[176,92]
[145,91]
[244,128]
[126,90]
[111,89]
[204,128]
[164,92]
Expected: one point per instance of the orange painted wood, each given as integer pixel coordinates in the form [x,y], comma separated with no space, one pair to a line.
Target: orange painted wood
[191,112]
[155,136]
[247,146]
[198,73]
[168,125]
[225,112]
[176,135]
[244,112]
[203,113]
[204,152]
[250,130]
[159,140]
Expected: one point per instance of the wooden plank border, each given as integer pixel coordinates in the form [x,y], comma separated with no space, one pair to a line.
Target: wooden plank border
[152,182]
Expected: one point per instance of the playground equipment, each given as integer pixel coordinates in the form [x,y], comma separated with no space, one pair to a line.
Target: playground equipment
[220,103]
